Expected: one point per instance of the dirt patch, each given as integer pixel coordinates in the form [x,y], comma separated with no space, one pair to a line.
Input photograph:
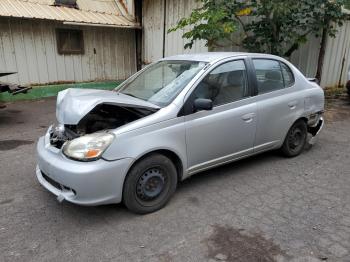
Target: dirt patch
[229,244]
[6,145]
[337,110]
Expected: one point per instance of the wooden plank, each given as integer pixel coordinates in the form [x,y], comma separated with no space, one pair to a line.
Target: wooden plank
[3,64]
[99,55]
[9,52]
[117,48]
[19,49]
[30,52]
[40,51]
[68,64]
[55,72]
[94,71]
[49,47]
[113,39]
[77,68]
[106,54]
[86,58]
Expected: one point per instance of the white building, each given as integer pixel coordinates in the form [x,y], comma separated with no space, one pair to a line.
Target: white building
[48,41]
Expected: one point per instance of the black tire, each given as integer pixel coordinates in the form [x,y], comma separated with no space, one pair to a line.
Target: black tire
[295,140]
[150,184]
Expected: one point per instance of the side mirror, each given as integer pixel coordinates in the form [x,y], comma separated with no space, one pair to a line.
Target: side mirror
[201,104]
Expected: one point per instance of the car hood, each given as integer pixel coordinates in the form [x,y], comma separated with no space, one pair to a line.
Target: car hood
[74,103]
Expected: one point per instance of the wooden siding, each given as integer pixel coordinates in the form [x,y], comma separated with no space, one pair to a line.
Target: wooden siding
[29,47]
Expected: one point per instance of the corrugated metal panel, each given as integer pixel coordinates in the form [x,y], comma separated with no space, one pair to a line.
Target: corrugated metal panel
[153,30]
[100,14]
[29,48]
[174,43]
[154,33]
[337,58]
[101,6]
[306,57]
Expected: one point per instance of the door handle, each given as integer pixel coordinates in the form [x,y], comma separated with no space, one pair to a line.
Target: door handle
[293,104]
[248,117]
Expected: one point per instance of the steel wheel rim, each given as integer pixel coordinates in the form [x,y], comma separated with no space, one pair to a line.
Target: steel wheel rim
[151,184]
[295,139]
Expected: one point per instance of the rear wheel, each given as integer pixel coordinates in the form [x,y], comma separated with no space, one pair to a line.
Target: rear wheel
[295,140]
[150,184]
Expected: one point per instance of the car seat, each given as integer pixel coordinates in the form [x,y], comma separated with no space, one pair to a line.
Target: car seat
[273,81]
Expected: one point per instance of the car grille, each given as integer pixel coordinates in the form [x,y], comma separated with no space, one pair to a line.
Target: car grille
[56,184]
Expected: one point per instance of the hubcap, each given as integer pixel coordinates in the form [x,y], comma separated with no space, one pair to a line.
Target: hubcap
[151,184]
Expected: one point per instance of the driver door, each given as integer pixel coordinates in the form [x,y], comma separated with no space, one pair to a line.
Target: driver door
[227,131]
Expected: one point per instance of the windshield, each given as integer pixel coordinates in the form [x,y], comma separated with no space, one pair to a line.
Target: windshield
[160,83]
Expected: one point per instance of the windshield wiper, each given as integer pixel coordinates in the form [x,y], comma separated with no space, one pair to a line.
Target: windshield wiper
[131,95]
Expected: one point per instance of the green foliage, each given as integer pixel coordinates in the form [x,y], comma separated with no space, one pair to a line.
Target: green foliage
[269,26]
[347,4]
[213,22]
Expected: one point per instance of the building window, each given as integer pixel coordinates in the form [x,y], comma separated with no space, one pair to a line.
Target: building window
[67,3]
[70,41]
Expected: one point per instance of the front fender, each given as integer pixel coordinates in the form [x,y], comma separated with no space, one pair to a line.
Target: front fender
[167,135]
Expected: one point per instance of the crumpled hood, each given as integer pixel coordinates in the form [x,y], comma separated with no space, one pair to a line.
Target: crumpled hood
[74,103]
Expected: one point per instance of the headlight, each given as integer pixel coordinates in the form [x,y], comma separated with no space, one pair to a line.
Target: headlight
[88,147]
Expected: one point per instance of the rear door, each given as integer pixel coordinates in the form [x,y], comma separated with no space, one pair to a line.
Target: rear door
[278,102]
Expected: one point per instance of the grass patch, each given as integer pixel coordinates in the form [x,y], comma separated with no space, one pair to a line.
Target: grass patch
[334,92]
[39,92]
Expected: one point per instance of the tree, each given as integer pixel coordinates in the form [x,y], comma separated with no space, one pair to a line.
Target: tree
[268,26]
[347,4]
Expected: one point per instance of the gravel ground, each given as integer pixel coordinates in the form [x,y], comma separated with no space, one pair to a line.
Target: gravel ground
[265,208]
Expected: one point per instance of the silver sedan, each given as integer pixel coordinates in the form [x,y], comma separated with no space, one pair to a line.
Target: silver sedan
[175,118]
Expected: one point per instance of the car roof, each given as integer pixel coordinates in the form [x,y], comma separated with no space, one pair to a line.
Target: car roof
[214,56]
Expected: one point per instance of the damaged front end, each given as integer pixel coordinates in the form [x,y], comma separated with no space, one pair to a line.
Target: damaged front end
[81,112]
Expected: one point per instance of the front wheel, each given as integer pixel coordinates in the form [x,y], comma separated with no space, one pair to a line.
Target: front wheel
[150,184]
[295,140]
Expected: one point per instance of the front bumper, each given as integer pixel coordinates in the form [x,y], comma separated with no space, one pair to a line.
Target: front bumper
[84,183]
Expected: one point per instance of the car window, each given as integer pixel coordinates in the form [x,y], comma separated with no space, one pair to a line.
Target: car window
[225,84]
[161,82]
[269,75]
[288,76]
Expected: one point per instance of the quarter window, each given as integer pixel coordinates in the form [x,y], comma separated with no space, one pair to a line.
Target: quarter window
[288,76]
[225,84]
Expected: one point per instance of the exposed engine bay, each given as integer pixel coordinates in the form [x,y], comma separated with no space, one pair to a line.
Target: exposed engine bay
[102,117]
